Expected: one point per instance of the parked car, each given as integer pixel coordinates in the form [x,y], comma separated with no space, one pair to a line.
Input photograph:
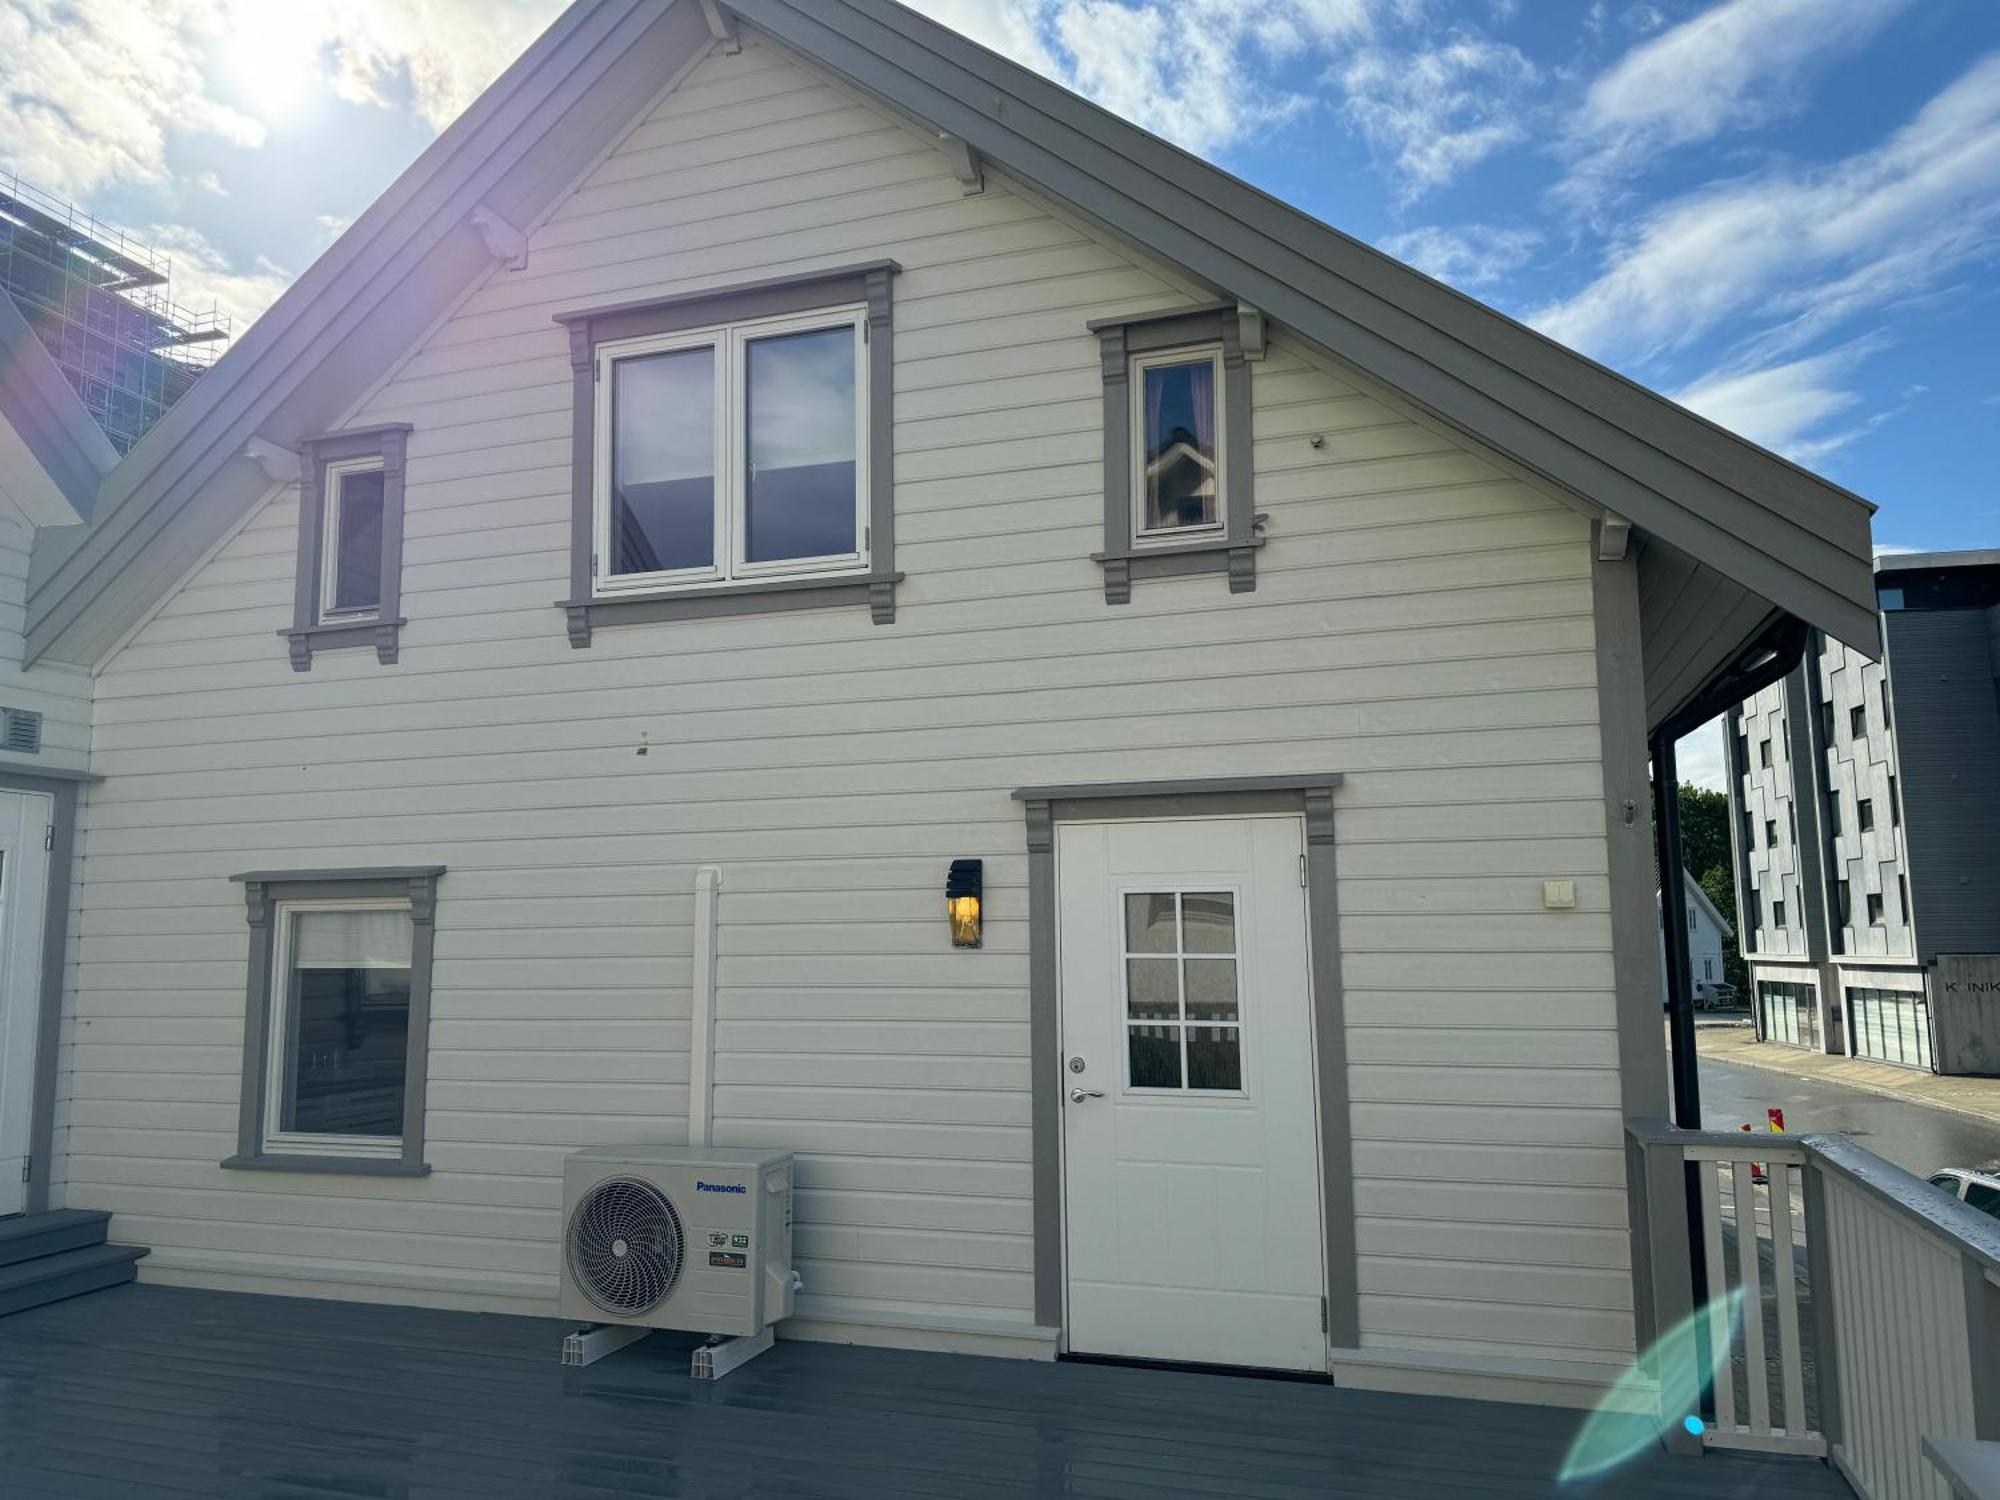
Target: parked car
[1977,1186]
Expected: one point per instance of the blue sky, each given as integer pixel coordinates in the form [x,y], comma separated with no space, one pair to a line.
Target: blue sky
[1784,213]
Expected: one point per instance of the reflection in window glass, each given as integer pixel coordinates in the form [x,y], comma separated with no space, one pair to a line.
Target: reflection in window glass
[1180,481]
[346,1022]
[1181,1000]
[663,462]
[357,542]
[801,433]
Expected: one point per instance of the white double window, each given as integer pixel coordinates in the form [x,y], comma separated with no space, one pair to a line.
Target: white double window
[737,453]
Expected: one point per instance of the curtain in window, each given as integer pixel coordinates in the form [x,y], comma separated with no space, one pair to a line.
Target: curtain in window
[351,940]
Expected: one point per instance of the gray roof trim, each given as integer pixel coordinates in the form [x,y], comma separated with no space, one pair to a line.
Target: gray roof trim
[41,405]
[1700,898]
[1914,562]
[398,270]
[1794,538]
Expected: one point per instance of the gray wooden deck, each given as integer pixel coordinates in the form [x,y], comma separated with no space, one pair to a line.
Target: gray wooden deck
[150,1391]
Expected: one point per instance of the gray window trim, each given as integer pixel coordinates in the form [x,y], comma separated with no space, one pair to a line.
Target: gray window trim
[1309,795]
[1235,551]
[388,442]
[262,891]
[870,282]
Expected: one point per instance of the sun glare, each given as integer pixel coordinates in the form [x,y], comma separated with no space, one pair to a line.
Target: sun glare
[269,61]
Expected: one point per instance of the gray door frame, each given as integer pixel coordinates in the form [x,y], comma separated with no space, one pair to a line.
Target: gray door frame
[1309,796]
[62,786]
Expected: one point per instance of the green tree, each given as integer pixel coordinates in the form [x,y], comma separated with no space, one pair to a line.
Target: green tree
[1705,851]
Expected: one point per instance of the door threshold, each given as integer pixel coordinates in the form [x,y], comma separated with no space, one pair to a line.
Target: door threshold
[1197,1367]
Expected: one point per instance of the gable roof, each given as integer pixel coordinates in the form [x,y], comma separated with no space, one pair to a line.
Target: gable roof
[1699,899]
[52,455]
[1769,527]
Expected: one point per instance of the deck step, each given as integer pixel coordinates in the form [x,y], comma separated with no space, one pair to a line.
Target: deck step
[72,1273]
[32,1236]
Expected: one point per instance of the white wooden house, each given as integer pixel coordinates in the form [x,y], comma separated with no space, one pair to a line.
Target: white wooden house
[1707,931]
[723,475]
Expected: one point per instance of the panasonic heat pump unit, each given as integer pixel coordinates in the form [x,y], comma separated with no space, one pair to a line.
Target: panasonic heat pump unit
[697,1239]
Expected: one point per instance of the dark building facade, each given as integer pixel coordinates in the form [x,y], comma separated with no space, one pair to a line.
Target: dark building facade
[1865,800]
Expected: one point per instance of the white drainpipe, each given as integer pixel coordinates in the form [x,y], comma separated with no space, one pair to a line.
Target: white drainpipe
[701,1042]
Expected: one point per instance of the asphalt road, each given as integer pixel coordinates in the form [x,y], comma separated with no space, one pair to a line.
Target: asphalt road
[1913,1136]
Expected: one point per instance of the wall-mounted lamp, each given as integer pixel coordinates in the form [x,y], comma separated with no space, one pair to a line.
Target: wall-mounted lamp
[963,889]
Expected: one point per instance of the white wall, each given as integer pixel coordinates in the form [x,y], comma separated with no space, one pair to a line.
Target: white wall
[1421,623]
[60,694]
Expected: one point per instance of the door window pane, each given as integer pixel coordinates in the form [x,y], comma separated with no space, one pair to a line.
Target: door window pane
[1149,922]
[357,542]
[1214,1058]
[1211,989]
[1156,1057]
[663,462]
[346,1023]
[1150,993]
[1181,485]
[799,400]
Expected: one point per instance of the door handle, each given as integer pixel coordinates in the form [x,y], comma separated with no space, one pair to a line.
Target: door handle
[1077,1096]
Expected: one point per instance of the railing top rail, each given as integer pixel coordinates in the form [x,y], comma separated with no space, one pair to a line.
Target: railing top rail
[1909,1196]
[1903,1193]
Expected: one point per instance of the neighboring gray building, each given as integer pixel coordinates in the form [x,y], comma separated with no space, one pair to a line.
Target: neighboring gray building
[1866,819]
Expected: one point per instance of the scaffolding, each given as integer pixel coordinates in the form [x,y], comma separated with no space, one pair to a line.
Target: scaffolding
[98,301]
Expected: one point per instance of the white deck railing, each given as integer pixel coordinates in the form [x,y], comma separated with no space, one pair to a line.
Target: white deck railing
[1870,1306]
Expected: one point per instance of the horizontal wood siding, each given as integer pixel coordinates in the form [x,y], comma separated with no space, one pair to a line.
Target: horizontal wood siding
[1421,623]
[60,694]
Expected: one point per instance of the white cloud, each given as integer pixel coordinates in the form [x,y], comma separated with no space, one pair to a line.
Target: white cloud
[1802,249]
[1435,112]
[1735,65]
[1468,255]
[1779,407]
[1698,758]
[204,279]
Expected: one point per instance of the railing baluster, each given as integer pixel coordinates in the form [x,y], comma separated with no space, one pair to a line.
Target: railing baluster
[1783,1175]
[1719,1331]
[1756,1377]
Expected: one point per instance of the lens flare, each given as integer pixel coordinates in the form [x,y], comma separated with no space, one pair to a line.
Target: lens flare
[1662,1390]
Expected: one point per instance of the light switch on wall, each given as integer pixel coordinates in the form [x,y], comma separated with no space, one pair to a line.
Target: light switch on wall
[1559,895]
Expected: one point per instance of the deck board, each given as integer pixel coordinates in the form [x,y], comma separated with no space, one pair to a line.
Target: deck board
[153,1391]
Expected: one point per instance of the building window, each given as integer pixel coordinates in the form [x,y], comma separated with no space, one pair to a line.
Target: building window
[1890,1026]
[1183,1017]
[1864,814]
[1895,805]
[349,590]
[1887,721]
[731,452]
[1857,721]
[1826,720]
[1903,897]
[1690,919]
[1890,598]
[1742,754]
[1843,902]
[336,1021]
[1832,813]
[1177,461]
[1788,1013]
[1778,914]
[1770,833]
[1874,908]
[1764,753]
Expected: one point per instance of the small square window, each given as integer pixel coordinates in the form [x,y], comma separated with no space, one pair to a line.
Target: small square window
[1864,814]
[1857,721]
[1777,914]
[1874,908]
[1890,598]
[1182,1004]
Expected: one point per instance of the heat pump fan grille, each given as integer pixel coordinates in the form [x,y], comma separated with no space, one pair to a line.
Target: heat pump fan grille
[625,1246]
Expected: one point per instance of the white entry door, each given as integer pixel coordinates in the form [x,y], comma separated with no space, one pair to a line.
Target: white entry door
[24,880]
[1191,1175]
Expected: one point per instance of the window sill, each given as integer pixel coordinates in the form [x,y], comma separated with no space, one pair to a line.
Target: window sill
[384,635]
[1236,557]
[355,1166]
[876,590]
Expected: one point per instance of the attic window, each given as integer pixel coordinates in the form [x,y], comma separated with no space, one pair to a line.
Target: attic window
[1177,470]
[20,731]
[349,589]
[730,452]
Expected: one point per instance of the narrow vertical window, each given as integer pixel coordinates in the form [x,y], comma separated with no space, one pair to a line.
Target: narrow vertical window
[802,447]
[663,518]
[1178,473]
[352,586]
